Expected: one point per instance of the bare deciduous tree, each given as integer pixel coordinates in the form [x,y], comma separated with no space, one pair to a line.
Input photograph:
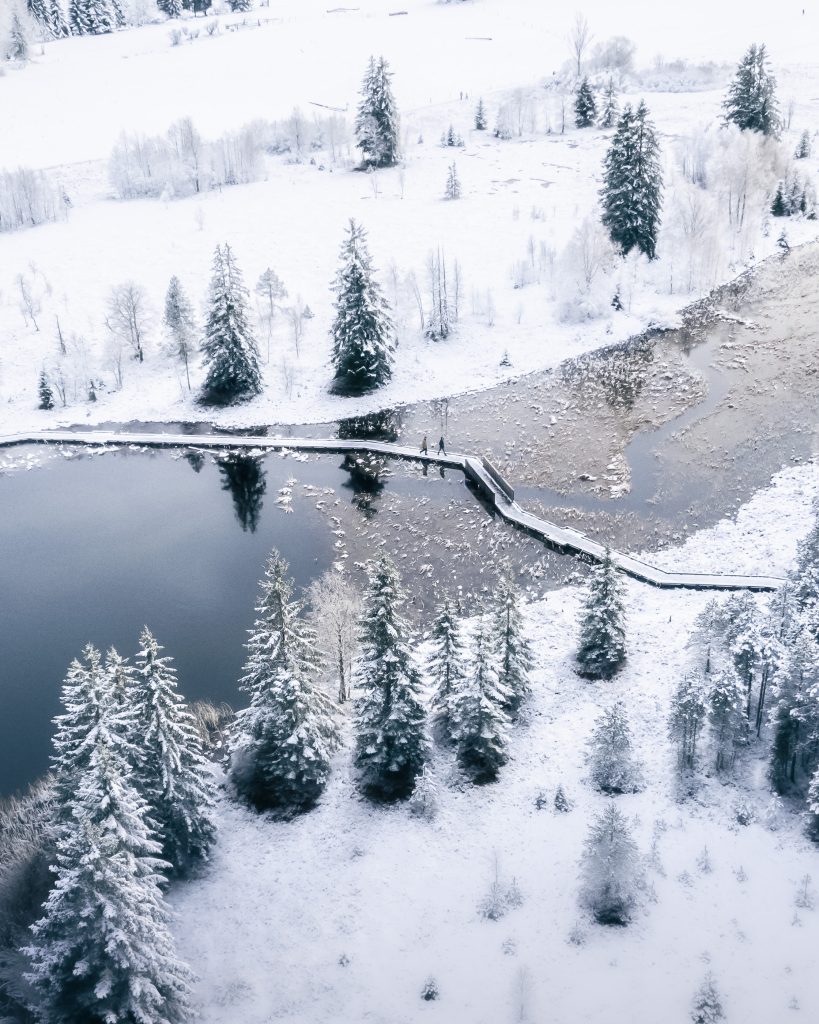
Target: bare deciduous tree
[128,316]
[579,40]
[30,302]
[336,605]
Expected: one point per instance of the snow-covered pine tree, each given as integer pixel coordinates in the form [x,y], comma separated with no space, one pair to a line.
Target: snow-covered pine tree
[85,717]
[44,391]
[803,149]
[779,208]
[17,47]
[480,116]
[805,577]
[125,731]
[585,107]
[50,14]
[795,712]
[610,873]
[173,8]
[608,118]
[726,713]
[92,17]
[602,647]
[172,775]
[118,12]
[282,743]
[446,668]
[362,329]
[813,806]
[751,100]
[707,1005]
[688,710]
[453,183]
[377,123]
[633,184]
[742,640]
[391,741]
[229,348]
[483,723]
[102,950]
[511,647]
[613,767]
[240,5]
[178,320]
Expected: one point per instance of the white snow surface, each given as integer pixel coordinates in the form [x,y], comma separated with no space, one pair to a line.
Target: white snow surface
[65,110]
[342,915]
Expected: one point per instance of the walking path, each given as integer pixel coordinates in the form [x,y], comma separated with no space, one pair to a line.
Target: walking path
[481,473]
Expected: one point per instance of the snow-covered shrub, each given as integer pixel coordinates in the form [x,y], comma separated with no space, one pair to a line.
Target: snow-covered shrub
[430,991]
[707,1006]
[501,897]
[424,800]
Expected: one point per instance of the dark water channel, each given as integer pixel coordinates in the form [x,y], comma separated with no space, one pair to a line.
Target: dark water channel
[94,546]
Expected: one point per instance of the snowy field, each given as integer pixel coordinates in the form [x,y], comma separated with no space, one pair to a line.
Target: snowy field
[523,198]
[343,915]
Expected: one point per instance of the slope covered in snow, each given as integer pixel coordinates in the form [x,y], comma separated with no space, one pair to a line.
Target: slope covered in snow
[523,305]
[344,914]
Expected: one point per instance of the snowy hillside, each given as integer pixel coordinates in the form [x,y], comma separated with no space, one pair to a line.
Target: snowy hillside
[343,915]
[521,233]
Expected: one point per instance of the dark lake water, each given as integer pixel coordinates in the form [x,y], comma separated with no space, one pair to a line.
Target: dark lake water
[94,547]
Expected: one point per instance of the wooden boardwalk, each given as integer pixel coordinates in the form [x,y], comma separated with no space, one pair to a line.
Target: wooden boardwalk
[483,476]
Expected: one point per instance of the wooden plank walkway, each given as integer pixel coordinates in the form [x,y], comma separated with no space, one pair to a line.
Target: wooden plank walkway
[560,538]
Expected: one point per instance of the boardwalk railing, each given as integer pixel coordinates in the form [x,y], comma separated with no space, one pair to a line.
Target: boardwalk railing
[482,474]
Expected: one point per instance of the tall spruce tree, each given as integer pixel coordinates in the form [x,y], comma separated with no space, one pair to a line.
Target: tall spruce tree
[178,320]
[391,742]
[608,117]
[173,8]
[689,706]
[633,184]
[751,100]
[282,743]
[172,775]
[795,713]
[726,713]
[377,123]
[585,107]
[102,951]
[446,668]
[613,767]
[88,717]
[610,869]
[480,116]
[512,649]
[229,348]
[602,647]
[50,14]
[362,329]
[480,710]
[44,391]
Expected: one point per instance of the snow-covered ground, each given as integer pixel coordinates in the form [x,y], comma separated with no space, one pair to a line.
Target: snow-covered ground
[523,198]
[342,915]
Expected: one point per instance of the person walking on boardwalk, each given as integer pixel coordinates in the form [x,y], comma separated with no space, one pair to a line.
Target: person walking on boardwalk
[441,448]
[424,446]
